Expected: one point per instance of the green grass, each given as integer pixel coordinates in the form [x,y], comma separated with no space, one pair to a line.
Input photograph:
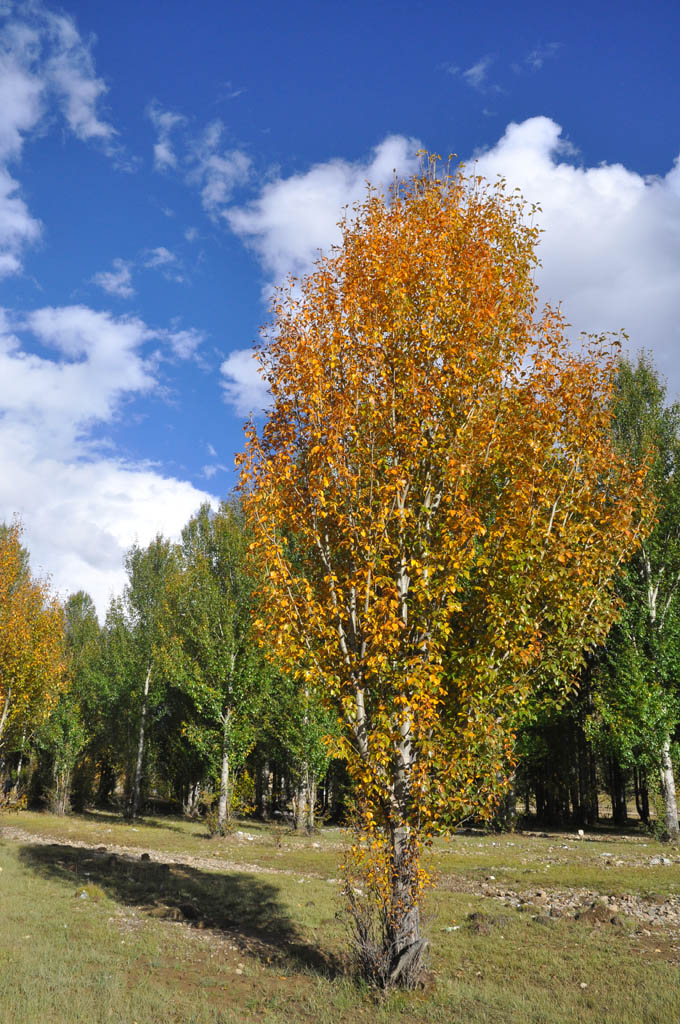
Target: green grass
[258,939]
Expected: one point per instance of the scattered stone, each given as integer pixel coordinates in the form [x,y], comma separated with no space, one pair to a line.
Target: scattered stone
[596,914]
[660,860]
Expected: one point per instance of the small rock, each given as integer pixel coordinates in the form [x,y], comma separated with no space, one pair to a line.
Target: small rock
[596,914]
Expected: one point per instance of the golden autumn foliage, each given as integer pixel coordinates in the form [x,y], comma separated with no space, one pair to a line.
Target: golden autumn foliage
[31,641]
[436,501]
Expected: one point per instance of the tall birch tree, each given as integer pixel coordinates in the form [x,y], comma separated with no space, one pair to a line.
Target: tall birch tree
[443,460]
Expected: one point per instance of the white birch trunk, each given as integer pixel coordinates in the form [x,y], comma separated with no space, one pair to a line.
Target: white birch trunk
[223,804]
[668,791]
[137,780]
[5,711]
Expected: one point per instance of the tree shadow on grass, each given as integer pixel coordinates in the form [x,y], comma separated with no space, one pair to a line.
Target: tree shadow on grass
[245,907]
[170,823]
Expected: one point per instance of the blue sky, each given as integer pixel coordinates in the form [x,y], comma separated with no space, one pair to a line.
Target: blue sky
[163,165]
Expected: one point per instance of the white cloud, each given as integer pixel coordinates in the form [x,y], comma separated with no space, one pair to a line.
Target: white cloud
[159,257]
[243,386]
[183,343]
[204,161]
[538,56]
[610,247]
[476,75]
[81,506]
[165,122]
[117,281]
[70,72]
[44,66]
[216,171]
[293,218]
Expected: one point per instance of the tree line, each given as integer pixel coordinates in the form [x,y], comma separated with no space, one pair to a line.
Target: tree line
[170,703]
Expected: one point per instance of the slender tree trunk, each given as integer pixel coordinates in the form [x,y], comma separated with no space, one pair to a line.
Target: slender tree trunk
[668,791]
[223,804]
[137,780]
[593,803]
[5,711]
[20,766]
[641,794]
[300,803]
[311,803]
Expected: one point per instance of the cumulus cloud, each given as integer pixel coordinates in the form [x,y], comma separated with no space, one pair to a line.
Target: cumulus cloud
[242,384]
[610,247]
[82,507]
[293,218]
[117,281]
[45,66]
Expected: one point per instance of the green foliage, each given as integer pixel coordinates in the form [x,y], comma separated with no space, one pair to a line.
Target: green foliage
[205,645]
[637,699]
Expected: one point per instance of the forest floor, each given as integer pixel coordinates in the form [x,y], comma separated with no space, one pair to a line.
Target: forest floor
[154,923]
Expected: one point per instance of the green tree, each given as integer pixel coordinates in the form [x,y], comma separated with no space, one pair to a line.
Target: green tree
[207,646]
[143,608]
[65,734]
[638,699]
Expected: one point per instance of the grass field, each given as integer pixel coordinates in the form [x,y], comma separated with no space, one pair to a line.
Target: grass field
[154,923]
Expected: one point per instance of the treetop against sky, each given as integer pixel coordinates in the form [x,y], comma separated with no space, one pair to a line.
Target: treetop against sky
[162,168]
